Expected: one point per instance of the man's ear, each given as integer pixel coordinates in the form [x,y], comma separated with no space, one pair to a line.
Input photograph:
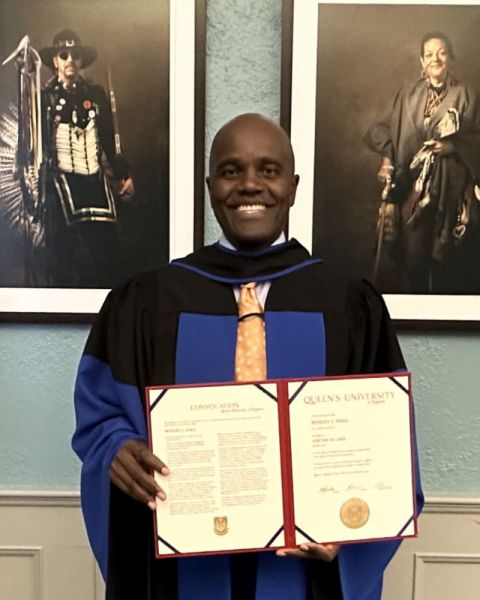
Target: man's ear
[208,181]
[295,181]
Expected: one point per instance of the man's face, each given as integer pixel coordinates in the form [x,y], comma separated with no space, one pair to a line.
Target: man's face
[252,184]
[68,63]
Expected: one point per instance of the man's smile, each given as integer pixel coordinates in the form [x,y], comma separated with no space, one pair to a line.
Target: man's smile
[251,208]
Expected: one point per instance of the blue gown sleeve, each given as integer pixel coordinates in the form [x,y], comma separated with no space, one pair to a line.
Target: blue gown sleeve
[108,409]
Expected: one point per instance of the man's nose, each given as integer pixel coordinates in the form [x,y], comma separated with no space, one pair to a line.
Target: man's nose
[250,181]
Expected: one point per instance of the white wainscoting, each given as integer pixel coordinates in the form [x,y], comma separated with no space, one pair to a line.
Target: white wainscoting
[443,563]
[44,553]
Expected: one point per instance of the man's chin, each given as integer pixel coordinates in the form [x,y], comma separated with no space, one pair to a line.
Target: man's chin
[252,242]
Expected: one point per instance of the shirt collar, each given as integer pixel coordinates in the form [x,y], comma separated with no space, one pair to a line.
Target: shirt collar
[226,244]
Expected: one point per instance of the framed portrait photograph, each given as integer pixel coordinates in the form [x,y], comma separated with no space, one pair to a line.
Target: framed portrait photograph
[101,146]
[385,123]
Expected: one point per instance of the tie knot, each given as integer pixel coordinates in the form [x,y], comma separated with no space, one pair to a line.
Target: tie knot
[248,302]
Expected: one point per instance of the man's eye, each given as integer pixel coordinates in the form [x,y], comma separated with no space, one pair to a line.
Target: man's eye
[229,172]
[270,170]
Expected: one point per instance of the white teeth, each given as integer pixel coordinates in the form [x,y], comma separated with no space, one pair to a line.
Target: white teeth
[251,207]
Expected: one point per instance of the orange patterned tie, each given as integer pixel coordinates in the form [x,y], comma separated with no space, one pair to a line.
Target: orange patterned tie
[250,355]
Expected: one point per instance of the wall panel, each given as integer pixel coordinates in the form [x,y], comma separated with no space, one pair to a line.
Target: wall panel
[44,553]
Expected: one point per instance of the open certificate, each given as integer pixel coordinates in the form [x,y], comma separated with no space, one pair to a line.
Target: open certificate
[271,465]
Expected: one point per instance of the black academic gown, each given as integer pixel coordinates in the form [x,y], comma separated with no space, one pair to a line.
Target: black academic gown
[178,325]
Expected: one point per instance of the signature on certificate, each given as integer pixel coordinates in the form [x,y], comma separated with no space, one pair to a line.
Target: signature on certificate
[330,489]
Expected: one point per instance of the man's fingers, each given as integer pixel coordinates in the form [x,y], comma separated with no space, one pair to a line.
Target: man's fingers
[123,480]
[130,471]
[127,190]
[143,455]
[326,552]
[150,461]
[136,471]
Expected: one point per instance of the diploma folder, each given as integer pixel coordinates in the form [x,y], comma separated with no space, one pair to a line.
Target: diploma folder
[268,465]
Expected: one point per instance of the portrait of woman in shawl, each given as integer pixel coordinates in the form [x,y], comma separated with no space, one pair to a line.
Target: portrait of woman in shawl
[428,139]
[396,184]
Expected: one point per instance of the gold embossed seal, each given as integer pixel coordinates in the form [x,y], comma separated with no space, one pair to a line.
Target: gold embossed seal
[220,525]
[354,513]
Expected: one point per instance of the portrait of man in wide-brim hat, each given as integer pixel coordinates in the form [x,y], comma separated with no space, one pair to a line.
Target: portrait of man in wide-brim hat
[81,160]
[100,174]
[64,42]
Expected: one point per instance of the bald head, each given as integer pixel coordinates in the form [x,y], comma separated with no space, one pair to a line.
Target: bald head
[248,122]
[252,182]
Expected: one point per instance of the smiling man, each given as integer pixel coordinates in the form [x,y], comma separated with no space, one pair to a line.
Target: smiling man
[179,325]
[252,182]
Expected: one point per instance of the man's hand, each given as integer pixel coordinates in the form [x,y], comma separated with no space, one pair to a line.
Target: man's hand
[127,190]
[326,552]
[131,469]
